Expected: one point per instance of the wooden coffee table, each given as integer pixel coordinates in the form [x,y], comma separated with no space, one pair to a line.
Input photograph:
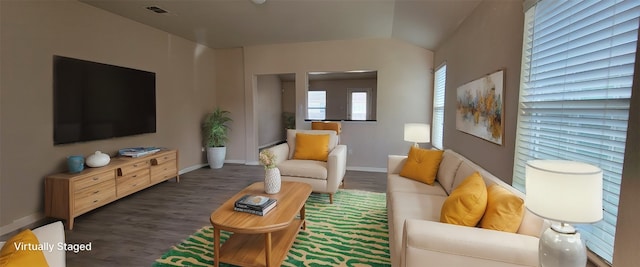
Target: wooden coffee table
[260,240]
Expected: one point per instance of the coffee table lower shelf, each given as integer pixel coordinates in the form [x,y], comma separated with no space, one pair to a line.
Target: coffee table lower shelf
[251,249]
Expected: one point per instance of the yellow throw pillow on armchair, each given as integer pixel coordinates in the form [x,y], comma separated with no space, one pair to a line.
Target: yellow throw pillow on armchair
[467,203]
[422,165]
[504,211]
[22,250]
[312,146]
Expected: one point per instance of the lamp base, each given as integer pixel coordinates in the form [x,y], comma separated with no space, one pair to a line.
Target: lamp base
[561,246]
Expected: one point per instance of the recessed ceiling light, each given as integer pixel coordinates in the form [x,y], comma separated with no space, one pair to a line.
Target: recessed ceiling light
[258,2]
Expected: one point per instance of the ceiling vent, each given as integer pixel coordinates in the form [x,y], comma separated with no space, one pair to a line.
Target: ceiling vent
[157,9]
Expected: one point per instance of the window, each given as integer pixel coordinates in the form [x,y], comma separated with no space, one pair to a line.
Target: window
[437,123]
[317,105]
[577,71]
[359,104]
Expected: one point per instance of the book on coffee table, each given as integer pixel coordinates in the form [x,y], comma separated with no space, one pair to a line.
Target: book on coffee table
[259,205]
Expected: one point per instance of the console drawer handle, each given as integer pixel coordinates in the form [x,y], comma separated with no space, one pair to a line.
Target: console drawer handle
[135,176]
[97,191]
[96,201]
[96,178]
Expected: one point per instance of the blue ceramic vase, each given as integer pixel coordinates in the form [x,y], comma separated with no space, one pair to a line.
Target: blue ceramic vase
[75,163]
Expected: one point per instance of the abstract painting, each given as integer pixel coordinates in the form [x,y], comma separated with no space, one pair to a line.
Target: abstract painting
[480,107]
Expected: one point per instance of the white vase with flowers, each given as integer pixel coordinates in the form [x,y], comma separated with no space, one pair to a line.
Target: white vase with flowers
[272,180]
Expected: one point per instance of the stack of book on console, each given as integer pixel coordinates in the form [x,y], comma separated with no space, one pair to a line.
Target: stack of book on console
[135,152]
[258,205]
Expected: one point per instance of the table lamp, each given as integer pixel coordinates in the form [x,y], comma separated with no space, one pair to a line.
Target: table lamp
[563,192]
[417,133]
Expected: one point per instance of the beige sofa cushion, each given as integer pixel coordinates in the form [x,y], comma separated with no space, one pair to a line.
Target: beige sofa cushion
[304,168]
[447,170]
[397,183]
[291,139]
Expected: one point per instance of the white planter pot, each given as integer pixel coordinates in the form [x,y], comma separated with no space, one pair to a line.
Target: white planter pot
[215,156]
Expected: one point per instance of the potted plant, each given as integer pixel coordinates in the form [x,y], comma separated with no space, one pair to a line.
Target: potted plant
[214,132]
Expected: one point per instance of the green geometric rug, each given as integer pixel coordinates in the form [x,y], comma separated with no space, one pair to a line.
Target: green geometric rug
[352,231]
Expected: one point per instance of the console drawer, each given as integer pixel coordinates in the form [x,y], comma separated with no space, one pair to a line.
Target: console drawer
[161,159]
[133,182]
[93,179]
[94,196]
[163,172]
[133,167]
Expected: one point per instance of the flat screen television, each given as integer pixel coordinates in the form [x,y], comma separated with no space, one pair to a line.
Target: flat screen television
[93,101]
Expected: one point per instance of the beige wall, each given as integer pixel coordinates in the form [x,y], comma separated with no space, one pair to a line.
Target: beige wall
[289,96]
[488,40]
[404,90]
[270,127]
[229,86]
[31,33]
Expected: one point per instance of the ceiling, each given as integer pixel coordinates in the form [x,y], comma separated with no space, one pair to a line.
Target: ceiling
[237,23]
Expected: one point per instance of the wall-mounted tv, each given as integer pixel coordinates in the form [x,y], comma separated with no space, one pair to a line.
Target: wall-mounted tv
[93,101]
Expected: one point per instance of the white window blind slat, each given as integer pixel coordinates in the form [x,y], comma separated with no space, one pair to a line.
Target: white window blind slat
[577,71]
[437,123]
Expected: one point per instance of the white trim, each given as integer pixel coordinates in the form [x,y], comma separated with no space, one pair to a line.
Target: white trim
[251,163]
[366,169]
[192,168]
[235,161]
[21,223]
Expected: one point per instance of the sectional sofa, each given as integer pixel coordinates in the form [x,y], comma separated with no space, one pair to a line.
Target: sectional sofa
[418,238]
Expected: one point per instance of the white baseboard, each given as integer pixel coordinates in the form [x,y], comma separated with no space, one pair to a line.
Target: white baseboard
[192,168]
[366,169]
[21,223]
[252,163]
[234,161]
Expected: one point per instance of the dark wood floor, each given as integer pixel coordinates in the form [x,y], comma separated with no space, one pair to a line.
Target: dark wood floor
[138,229]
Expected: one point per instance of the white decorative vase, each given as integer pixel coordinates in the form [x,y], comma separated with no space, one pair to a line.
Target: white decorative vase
[272,181]
[98,159]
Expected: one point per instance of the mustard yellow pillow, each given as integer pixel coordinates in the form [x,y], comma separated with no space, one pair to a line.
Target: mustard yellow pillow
[422,165]
[467,203]
[27,252]
[312,146]
[504,210]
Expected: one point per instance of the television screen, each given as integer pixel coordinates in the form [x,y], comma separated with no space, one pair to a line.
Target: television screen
[93,101]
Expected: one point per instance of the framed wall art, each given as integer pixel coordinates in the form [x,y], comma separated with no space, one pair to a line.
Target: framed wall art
[480,109]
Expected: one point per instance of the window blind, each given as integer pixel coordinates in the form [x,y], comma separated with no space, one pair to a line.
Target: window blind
[577,72]
[437,124]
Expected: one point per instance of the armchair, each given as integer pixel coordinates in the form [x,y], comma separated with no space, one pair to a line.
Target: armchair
[324,177]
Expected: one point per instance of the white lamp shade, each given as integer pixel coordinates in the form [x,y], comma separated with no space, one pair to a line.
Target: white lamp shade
[564,191]
[417,132]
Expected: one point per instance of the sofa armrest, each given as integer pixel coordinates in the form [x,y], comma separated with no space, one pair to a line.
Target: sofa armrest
[465,246]
[336,167]
[395,164]
[281,152]
[53,234]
